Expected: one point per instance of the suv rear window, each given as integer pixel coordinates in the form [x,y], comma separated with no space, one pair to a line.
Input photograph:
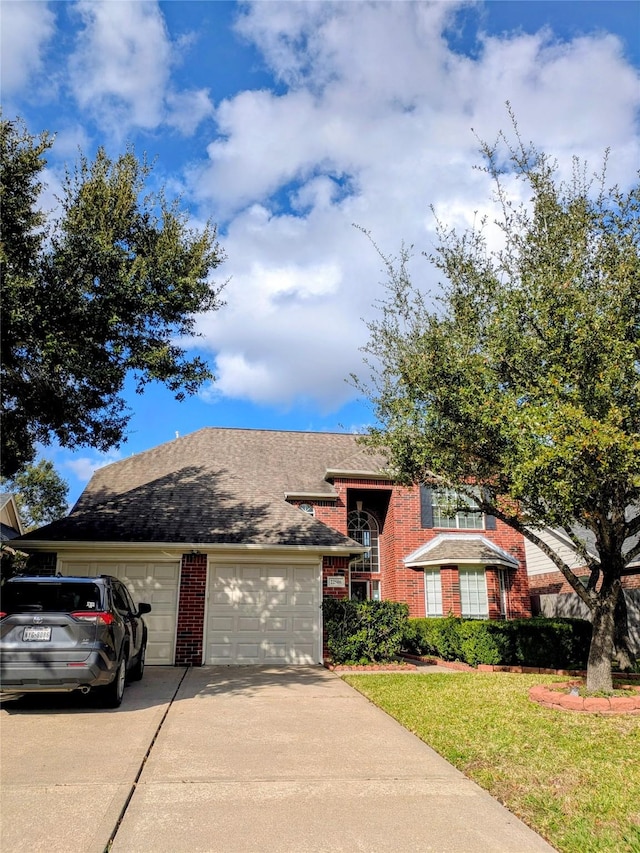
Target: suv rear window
[34,597]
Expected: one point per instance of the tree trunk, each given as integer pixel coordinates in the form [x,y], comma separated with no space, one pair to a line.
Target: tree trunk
[599,677]
[624,655]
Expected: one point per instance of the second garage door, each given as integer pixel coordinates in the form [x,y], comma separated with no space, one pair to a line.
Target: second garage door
[261,614]
[155,583]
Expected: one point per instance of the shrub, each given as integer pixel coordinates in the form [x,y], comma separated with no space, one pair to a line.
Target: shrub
[444,634]
[360,632]
[482,642]
[540,642]
[431,636]
[555,643]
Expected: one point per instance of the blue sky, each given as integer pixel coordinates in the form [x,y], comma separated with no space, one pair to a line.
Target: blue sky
[285,123]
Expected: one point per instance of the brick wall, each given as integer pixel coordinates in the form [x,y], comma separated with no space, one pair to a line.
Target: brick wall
[551,583]
[401,533]
[190,632]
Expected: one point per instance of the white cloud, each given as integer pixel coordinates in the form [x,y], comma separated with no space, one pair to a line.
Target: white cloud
[121,64]
[84,467]
[372,125]
[27,27]
[120,71]
[187,109]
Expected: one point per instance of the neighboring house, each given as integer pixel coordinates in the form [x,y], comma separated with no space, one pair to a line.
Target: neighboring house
[234,536]
[10,522]
[551,593]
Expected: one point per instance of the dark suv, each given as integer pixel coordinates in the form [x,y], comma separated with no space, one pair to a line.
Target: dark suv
[70,633]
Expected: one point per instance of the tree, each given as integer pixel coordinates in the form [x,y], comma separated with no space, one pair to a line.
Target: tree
[520,385]
[40,493]
[109,288]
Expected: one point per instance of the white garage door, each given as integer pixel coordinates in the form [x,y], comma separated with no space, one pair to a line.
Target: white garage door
[155,583]
[263,615]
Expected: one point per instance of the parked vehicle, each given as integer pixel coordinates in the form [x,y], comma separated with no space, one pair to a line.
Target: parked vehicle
[70,633]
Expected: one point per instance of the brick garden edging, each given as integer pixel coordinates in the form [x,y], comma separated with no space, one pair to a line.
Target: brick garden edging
[531,670]
[371,667]
[553,696]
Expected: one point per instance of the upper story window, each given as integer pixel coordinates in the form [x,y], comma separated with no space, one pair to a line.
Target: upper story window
[443,502]
[363,527]
[308,508]
[438,509]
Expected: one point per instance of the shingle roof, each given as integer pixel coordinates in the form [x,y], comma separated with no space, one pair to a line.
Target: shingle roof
[212,486]
[460,549]
[7,532]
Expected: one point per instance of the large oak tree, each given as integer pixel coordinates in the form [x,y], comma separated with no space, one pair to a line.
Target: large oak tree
[519,386]
[109,288]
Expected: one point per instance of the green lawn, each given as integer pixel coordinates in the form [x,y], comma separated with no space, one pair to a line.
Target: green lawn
[574,778]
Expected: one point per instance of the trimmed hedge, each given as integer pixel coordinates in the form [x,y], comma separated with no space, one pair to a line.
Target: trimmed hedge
[550,643]
[361,632]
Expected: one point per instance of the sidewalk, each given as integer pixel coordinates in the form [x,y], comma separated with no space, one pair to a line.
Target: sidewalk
[294,761]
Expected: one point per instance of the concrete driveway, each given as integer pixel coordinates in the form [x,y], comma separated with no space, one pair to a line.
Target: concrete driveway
[67,767]
[244,759]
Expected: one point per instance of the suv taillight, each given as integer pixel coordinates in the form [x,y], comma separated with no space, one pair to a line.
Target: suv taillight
[98,618]
[2,614]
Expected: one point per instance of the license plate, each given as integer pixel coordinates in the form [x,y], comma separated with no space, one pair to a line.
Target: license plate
[36,634]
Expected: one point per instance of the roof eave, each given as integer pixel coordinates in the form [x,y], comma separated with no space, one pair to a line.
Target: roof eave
[461,561]
[184,547]
[310,496]
[333,473]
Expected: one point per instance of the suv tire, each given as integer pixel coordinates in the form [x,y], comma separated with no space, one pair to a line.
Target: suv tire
[137,670]
[112,694]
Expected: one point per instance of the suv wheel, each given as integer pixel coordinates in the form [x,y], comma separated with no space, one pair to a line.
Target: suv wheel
[137,670]
[112,694]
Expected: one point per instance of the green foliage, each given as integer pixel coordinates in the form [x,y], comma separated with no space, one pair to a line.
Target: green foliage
[360,632]
[104,291]
[40,493]
[520,386]
[482,642]
[540,642]
[553,643]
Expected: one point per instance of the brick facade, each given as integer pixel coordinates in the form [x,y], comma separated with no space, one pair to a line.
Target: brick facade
[191,610]
[397,511]
[551,583]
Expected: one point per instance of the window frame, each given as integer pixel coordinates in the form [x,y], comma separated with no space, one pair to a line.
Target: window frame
[368,563]
[475,600]
[433,593]
[460,520]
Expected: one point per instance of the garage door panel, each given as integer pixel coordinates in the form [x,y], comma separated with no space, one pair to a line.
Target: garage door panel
[263,614]
[304,575]
[154,583]
[305,599]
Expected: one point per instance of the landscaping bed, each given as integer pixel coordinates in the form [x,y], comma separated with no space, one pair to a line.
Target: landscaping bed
[567,697]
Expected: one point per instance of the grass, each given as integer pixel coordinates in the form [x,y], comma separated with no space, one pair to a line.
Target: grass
[574,778]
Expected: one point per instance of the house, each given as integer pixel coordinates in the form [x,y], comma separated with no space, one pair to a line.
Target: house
[551,594]
[235,535]
[10,522]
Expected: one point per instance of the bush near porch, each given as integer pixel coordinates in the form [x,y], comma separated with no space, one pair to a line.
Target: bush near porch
[539,642]
[361,632]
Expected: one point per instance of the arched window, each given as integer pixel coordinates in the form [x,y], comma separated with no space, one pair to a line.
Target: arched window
[363,527]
